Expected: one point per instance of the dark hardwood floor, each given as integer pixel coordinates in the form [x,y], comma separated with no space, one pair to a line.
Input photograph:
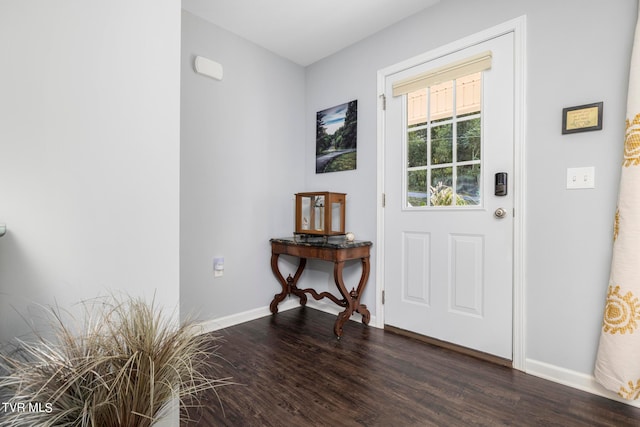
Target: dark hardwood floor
[294,372]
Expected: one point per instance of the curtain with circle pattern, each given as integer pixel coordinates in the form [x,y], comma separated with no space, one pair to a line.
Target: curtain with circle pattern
[618,361]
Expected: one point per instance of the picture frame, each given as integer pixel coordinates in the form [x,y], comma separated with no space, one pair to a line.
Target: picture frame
[582,118]
[336,138]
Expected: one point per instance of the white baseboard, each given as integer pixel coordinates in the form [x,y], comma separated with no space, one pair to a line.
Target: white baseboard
[245,316]
[572,379]
[287,304]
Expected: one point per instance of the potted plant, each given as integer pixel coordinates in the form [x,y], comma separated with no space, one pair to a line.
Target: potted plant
[125,365]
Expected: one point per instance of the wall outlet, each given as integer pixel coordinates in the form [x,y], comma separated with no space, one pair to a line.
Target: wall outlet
[218,266]
[581,178]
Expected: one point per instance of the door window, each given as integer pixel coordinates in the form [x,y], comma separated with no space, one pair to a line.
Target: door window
[444,144]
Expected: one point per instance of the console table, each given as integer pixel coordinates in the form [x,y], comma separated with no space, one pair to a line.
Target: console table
[336,252]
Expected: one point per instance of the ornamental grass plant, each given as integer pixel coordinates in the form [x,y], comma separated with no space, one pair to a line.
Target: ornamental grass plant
[124,365]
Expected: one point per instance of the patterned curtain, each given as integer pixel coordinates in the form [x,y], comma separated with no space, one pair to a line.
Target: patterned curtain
[618,361]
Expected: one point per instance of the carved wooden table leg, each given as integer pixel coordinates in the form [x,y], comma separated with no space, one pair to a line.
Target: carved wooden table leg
[276,272]
[352,298]
[346,314]
[288,285]
[293,288]
[362,308]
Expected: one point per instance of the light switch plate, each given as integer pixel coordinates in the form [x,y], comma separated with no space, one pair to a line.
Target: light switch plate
[578,178]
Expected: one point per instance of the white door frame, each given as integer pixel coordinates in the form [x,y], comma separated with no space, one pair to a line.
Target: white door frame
[518,27]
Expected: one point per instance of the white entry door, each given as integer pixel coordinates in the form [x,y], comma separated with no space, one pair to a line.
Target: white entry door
[448,228]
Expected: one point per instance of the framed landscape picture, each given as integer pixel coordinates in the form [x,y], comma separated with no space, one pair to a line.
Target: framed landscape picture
[336,138]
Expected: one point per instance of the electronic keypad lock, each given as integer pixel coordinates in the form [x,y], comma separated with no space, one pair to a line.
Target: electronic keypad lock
[501,184]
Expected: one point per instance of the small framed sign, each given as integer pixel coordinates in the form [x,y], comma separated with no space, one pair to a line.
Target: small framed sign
[582,118]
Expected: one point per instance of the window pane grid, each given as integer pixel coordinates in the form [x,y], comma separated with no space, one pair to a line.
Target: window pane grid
[443,131]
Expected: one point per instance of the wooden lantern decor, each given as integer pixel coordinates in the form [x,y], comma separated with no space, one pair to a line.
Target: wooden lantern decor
[320,213]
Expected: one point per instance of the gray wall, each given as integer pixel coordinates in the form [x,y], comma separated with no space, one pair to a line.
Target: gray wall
[89,146]
[242,154]
[577,52]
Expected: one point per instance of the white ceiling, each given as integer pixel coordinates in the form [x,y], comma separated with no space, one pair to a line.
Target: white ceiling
[304,31]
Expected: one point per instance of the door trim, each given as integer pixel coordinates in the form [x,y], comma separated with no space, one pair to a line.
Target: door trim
[518,27]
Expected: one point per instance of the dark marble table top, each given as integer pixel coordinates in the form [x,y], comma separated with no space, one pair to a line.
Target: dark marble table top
[333,242]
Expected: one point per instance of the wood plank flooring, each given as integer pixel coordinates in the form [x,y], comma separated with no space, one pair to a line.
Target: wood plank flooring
[294,372]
